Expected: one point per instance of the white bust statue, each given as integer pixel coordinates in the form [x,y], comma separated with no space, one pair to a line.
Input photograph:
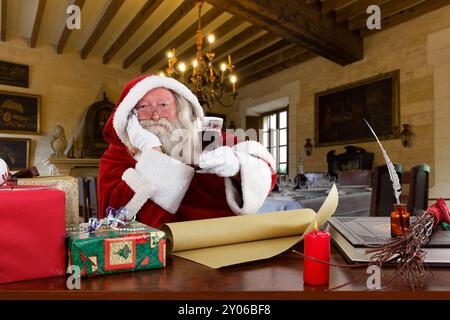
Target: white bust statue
[59,142]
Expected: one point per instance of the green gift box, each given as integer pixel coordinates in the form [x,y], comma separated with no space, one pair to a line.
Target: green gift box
[108,250]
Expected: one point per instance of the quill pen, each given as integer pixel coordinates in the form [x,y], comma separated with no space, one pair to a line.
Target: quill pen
[391,169]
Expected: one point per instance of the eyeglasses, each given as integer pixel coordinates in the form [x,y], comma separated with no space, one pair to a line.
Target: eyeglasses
[146,110]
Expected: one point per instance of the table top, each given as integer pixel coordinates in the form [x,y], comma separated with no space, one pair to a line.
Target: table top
[277,278]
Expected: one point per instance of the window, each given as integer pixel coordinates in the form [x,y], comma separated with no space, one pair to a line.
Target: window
[275,137]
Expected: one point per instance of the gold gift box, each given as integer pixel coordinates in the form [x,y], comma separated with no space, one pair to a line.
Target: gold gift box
[68,184]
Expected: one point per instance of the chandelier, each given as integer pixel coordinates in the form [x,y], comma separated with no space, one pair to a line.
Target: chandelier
[206,81]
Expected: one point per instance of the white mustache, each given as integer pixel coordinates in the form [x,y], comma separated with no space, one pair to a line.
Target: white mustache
[148,124]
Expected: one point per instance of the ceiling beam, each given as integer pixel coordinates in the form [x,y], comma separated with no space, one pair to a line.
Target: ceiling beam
[149,7]
[273,60]
[253,46]
[241,37]
[302,57]
[408,14]
[37,23]
[356,9]
[176,16]
[219,32]
[105,20]
[262,54]
[328,6]
[300,23]
[387,10]
[66,31]
[3,6]
[183,37]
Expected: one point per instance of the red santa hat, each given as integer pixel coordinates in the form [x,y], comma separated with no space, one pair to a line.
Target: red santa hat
[136,89]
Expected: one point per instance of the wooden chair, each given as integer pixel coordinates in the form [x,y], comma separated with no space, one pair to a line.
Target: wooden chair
[91,187]
[418,189]
[354,178]
[383,198]
[83,199]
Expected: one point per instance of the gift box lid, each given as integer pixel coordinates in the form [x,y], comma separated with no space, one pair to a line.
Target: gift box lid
[75,233]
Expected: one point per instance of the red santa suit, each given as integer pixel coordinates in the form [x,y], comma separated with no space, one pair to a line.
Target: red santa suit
[160,189]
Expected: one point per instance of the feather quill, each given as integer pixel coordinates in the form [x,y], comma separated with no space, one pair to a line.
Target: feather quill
[391,169]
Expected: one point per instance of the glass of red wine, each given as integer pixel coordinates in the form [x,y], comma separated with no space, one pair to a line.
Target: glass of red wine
[209,134]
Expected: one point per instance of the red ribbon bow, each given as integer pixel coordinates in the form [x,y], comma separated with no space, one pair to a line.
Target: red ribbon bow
[440,212]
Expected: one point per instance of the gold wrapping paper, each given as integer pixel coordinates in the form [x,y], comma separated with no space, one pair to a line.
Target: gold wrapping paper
[227,241]
[68,184]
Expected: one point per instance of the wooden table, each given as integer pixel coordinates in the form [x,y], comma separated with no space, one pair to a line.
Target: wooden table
[278,278]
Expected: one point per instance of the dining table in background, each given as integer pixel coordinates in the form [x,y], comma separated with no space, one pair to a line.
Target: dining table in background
[354,201]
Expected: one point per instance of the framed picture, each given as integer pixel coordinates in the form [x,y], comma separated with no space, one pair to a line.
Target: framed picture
[19,113]
[13,74]
[340,112]
[15,152]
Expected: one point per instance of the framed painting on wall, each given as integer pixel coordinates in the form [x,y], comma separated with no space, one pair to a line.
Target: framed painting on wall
[15,152]
[14,74]
[19,113]
[340,112]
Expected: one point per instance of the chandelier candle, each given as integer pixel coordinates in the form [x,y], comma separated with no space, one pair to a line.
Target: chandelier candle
[317,245]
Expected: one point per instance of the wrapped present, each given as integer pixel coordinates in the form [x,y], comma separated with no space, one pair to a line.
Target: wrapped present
[67,184]
[111,250]
[32,233]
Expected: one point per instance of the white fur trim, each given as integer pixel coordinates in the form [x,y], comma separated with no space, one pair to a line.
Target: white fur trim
[256,179]
[142,191]
[255,149]
[169,178]
[139,90]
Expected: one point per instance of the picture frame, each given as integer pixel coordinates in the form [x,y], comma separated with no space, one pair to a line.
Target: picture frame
[15,152]
[14,74]
[340,112]
[19,113]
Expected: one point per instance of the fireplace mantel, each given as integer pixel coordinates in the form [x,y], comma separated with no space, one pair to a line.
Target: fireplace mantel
[66,166]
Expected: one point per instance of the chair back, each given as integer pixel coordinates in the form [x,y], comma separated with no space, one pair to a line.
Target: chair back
[383,198]
[418,190]
[82,199]
[91,186]
[87,194]
[354,178]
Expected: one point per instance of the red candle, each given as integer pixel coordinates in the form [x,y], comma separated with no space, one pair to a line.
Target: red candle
[316,245]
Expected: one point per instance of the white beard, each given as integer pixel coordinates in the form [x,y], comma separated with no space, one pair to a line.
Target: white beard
[179,143]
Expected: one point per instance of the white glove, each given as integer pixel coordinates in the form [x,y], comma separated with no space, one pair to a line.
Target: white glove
[139,137]
[221,161]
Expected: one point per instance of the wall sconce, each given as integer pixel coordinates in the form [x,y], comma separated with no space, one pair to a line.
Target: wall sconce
[308,147]
[406,135]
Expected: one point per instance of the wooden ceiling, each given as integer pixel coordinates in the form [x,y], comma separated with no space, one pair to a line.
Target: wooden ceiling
[262,36]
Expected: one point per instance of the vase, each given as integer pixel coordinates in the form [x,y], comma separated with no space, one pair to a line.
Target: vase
[399,220]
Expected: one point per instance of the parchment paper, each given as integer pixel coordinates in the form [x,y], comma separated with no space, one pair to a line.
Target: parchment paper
[227,241]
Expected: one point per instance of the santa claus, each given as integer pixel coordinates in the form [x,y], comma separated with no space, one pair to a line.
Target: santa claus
[141,172]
